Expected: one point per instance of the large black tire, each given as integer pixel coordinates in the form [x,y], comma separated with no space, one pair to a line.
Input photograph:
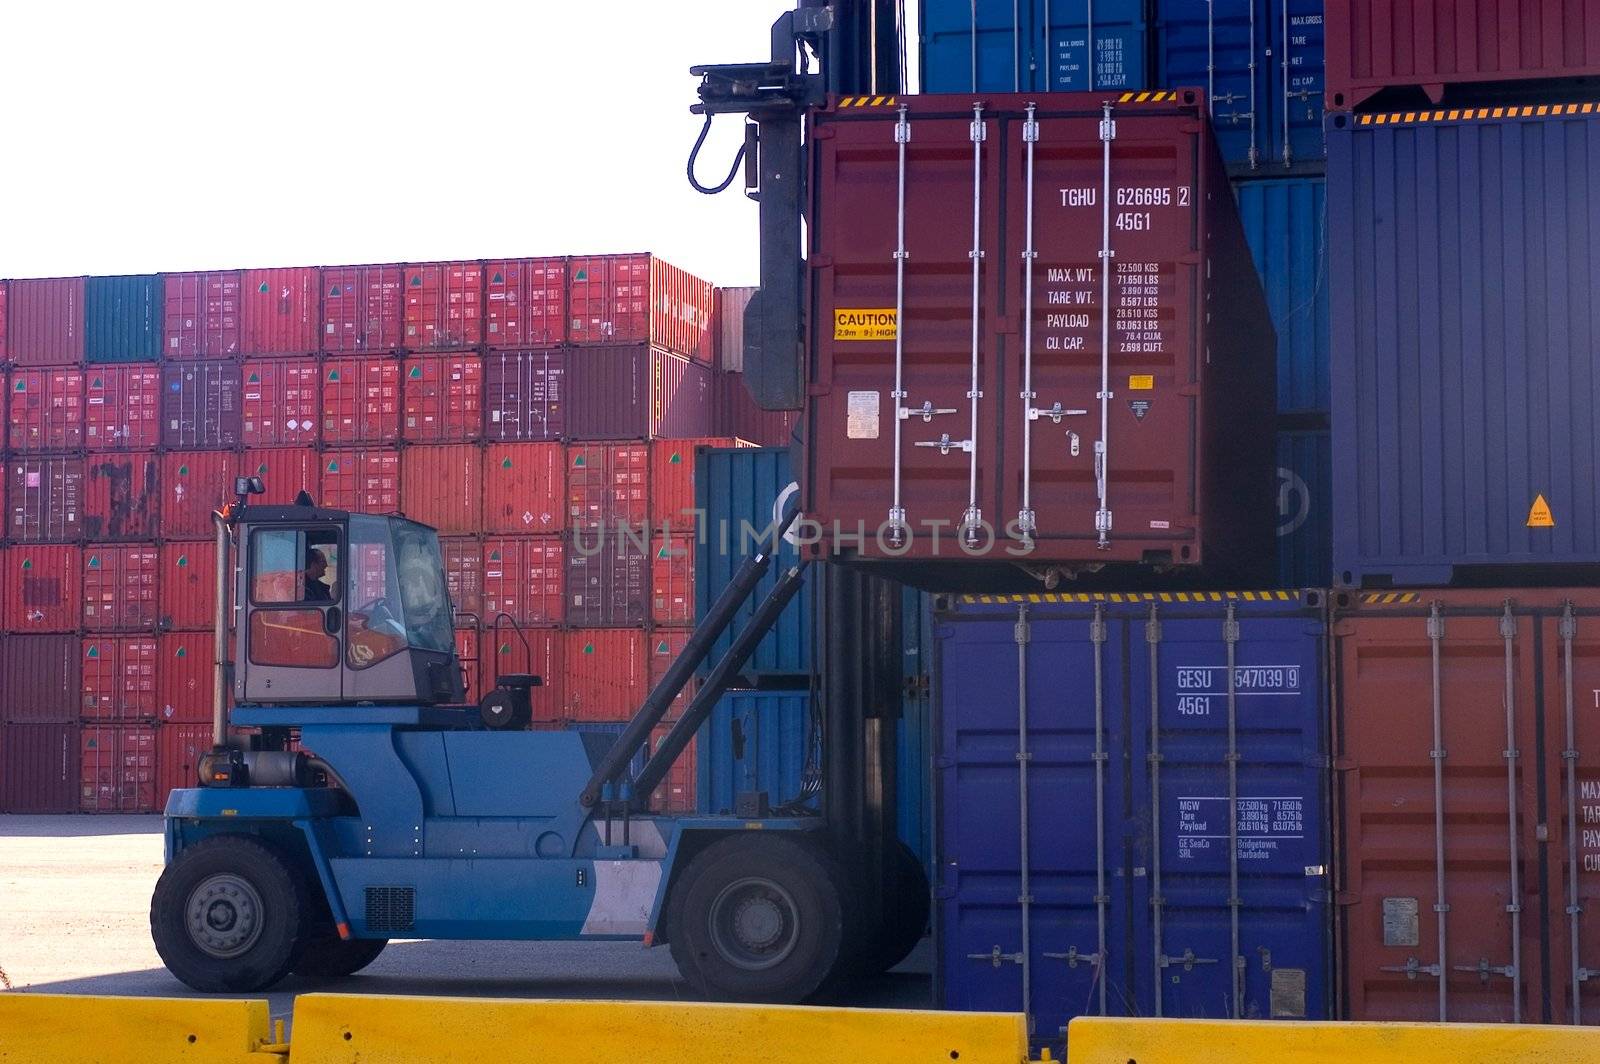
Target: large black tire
[324,955]
[905,914]
[226,915]
[757,918]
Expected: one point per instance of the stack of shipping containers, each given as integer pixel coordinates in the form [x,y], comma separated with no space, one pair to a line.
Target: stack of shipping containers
[523,407]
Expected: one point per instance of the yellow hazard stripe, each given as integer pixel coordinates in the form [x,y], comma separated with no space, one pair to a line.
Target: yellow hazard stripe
[1476,114]
[1389,598]
[866,101]
[1147,97]
[1129,596]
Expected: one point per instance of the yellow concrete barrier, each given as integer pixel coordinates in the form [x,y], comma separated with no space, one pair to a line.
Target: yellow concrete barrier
[1091,1040]
[339,1029]
[73,1029]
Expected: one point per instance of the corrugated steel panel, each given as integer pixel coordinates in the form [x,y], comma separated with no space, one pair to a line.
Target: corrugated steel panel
[736,490]
[537,651]
[525,302]
[463,576]
[1464,822]
[676,794]
[442,398]
[672,580]
[1462,343]
[179,748]
[201,312]
[682,312]
[736,414]
[41,679]
[44,321]
[184,671]
[608,393]
[188,584]
[608,485]
[1001,46]
[444,305]
[731,304]
[523,488]
[608,581]
[1374,45]
[200,405]
[193,484]
[524,395]
[285,472]
[756,741]
[1183,431]
[443,486]
[118,678]
[1305,509]
[672,469]
[119,588]
[122,318]
[117,768]
[360,400]
[123,497]
[1165,836]
[638,299]
[604,674]
[279,311]
[44,499]
[364,480]
[1286,222]
[363,308]
[39,768]
[280,404]
[123,408]
[664,646]
[47,410]
[43,587]
[524,577]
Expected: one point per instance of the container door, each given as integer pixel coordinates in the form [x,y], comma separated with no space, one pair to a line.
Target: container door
[1572,723]
[987,46]
[1296,73]
[1090,45]
[1222,46]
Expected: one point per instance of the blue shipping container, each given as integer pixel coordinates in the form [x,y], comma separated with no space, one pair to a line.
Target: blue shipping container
[1305,525]
[122,318]
[1037,46]
[1463,255]
[1126,822]
[1286,222]
[757,741]
[735,489]
[914,735]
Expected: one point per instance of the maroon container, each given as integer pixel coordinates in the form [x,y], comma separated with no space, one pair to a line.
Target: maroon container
[47,410]
[118,678]
[636,392]
[442,486]
[444,306]
[44,321]
[1374,45]
[188,584]
[38,768]
[43,588]
[362,308]
[608,580]
[41,678]
[524,395]
[44,499]
[279,311]
[1189,374]
[672,581]
[608,484]
[201,314]
[738,416]
[636,298]
[525,302]
[123,406]
[463,576]
[365,480]
[360,400]
[123,499]
[193,484]
[5,288]
[119,588]
[281,404]
[200,405]
[442,398]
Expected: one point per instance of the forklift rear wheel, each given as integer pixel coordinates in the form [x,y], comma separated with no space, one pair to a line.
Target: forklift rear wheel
[226,914]
[756,918]
[905,914]
[324,955]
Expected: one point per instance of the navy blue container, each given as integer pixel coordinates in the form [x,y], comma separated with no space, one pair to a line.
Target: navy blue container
[1305,502]
[914,735]
[735,489]
[122,318]
[757,741]
[1033,46]
[1133,815]
[1463,258]
[1286,222]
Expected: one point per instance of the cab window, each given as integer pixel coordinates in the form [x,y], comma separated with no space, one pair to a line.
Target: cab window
[293,585]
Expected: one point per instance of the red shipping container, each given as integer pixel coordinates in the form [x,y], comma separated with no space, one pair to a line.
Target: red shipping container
[200,405]
[525,302]
[362,481]
[523,487]
[608,580]
[523,395]
[672,467]
[193,485]
[444,306]
[664,645]
[5,287]
[463,576]
[123,497]
[118,678]
[624,299]
[539,651]
[39,768]
[604,675]
[443,486]
[46,410]
[122,407]
[117,768]
[672,580]
[280,404]
[44,499]
[608,485]
[43,586]
[179,748]
[729,334]
[524,577]
[677,792]
[40,673]
[285,472]
[362,308]
[636,392]
[1374,45]
[202,314]
[738,416]
[188,585]
[279,311]
[183,676]
[360,400]
[442,397]
[44,321]
[467,644]
[120,588]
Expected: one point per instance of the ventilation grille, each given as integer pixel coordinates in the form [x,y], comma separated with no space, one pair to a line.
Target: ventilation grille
[391,908]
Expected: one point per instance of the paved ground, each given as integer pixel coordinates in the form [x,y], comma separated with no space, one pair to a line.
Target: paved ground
[74,918]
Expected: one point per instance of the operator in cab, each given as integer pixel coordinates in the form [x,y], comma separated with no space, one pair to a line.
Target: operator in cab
[316,589]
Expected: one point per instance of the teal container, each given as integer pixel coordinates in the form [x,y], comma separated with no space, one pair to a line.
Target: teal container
[122,318]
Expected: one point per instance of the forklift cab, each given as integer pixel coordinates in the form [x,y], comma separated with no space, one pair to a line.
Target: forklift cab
[334,607]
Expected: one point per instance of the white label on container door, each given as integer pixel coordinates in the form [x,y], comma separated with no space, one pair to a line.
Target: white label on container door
[861,415]
[1262,824]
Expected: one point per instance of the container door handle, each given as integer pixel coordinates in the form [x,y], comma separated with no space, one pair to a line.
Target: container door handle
[1074,958]
[1413,968]
[1188,960]
[995,957]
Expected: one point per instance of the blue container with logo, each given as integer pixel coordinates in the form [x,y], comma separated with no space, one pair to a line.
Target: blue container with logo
[1035,46]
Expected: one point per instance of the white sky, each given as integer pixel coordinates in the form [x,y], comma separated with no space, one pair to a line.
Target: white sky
[140,137]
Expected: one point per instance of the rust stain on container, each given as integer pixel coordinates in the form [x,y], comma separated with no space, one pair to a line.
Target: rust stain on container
[43,586]
[124,497]
[193,484]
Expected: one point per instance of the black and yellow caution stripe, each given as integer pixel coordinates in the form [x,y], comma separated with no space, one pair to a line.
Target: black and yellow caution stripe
[1477,114]
[1148,97]
[866,101]
[1389,598]
[1132,596]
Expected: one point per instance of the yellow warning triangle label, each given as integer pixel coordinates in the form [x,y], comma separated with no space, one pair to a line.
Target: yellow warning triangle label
[1539,515]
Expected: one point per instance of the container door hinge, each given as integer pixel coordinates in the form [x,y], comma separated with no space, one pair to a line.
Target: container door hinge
[1413,968]
[1074,958]
[996,958]
[1188,960]
[946,444]
[1484,969]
